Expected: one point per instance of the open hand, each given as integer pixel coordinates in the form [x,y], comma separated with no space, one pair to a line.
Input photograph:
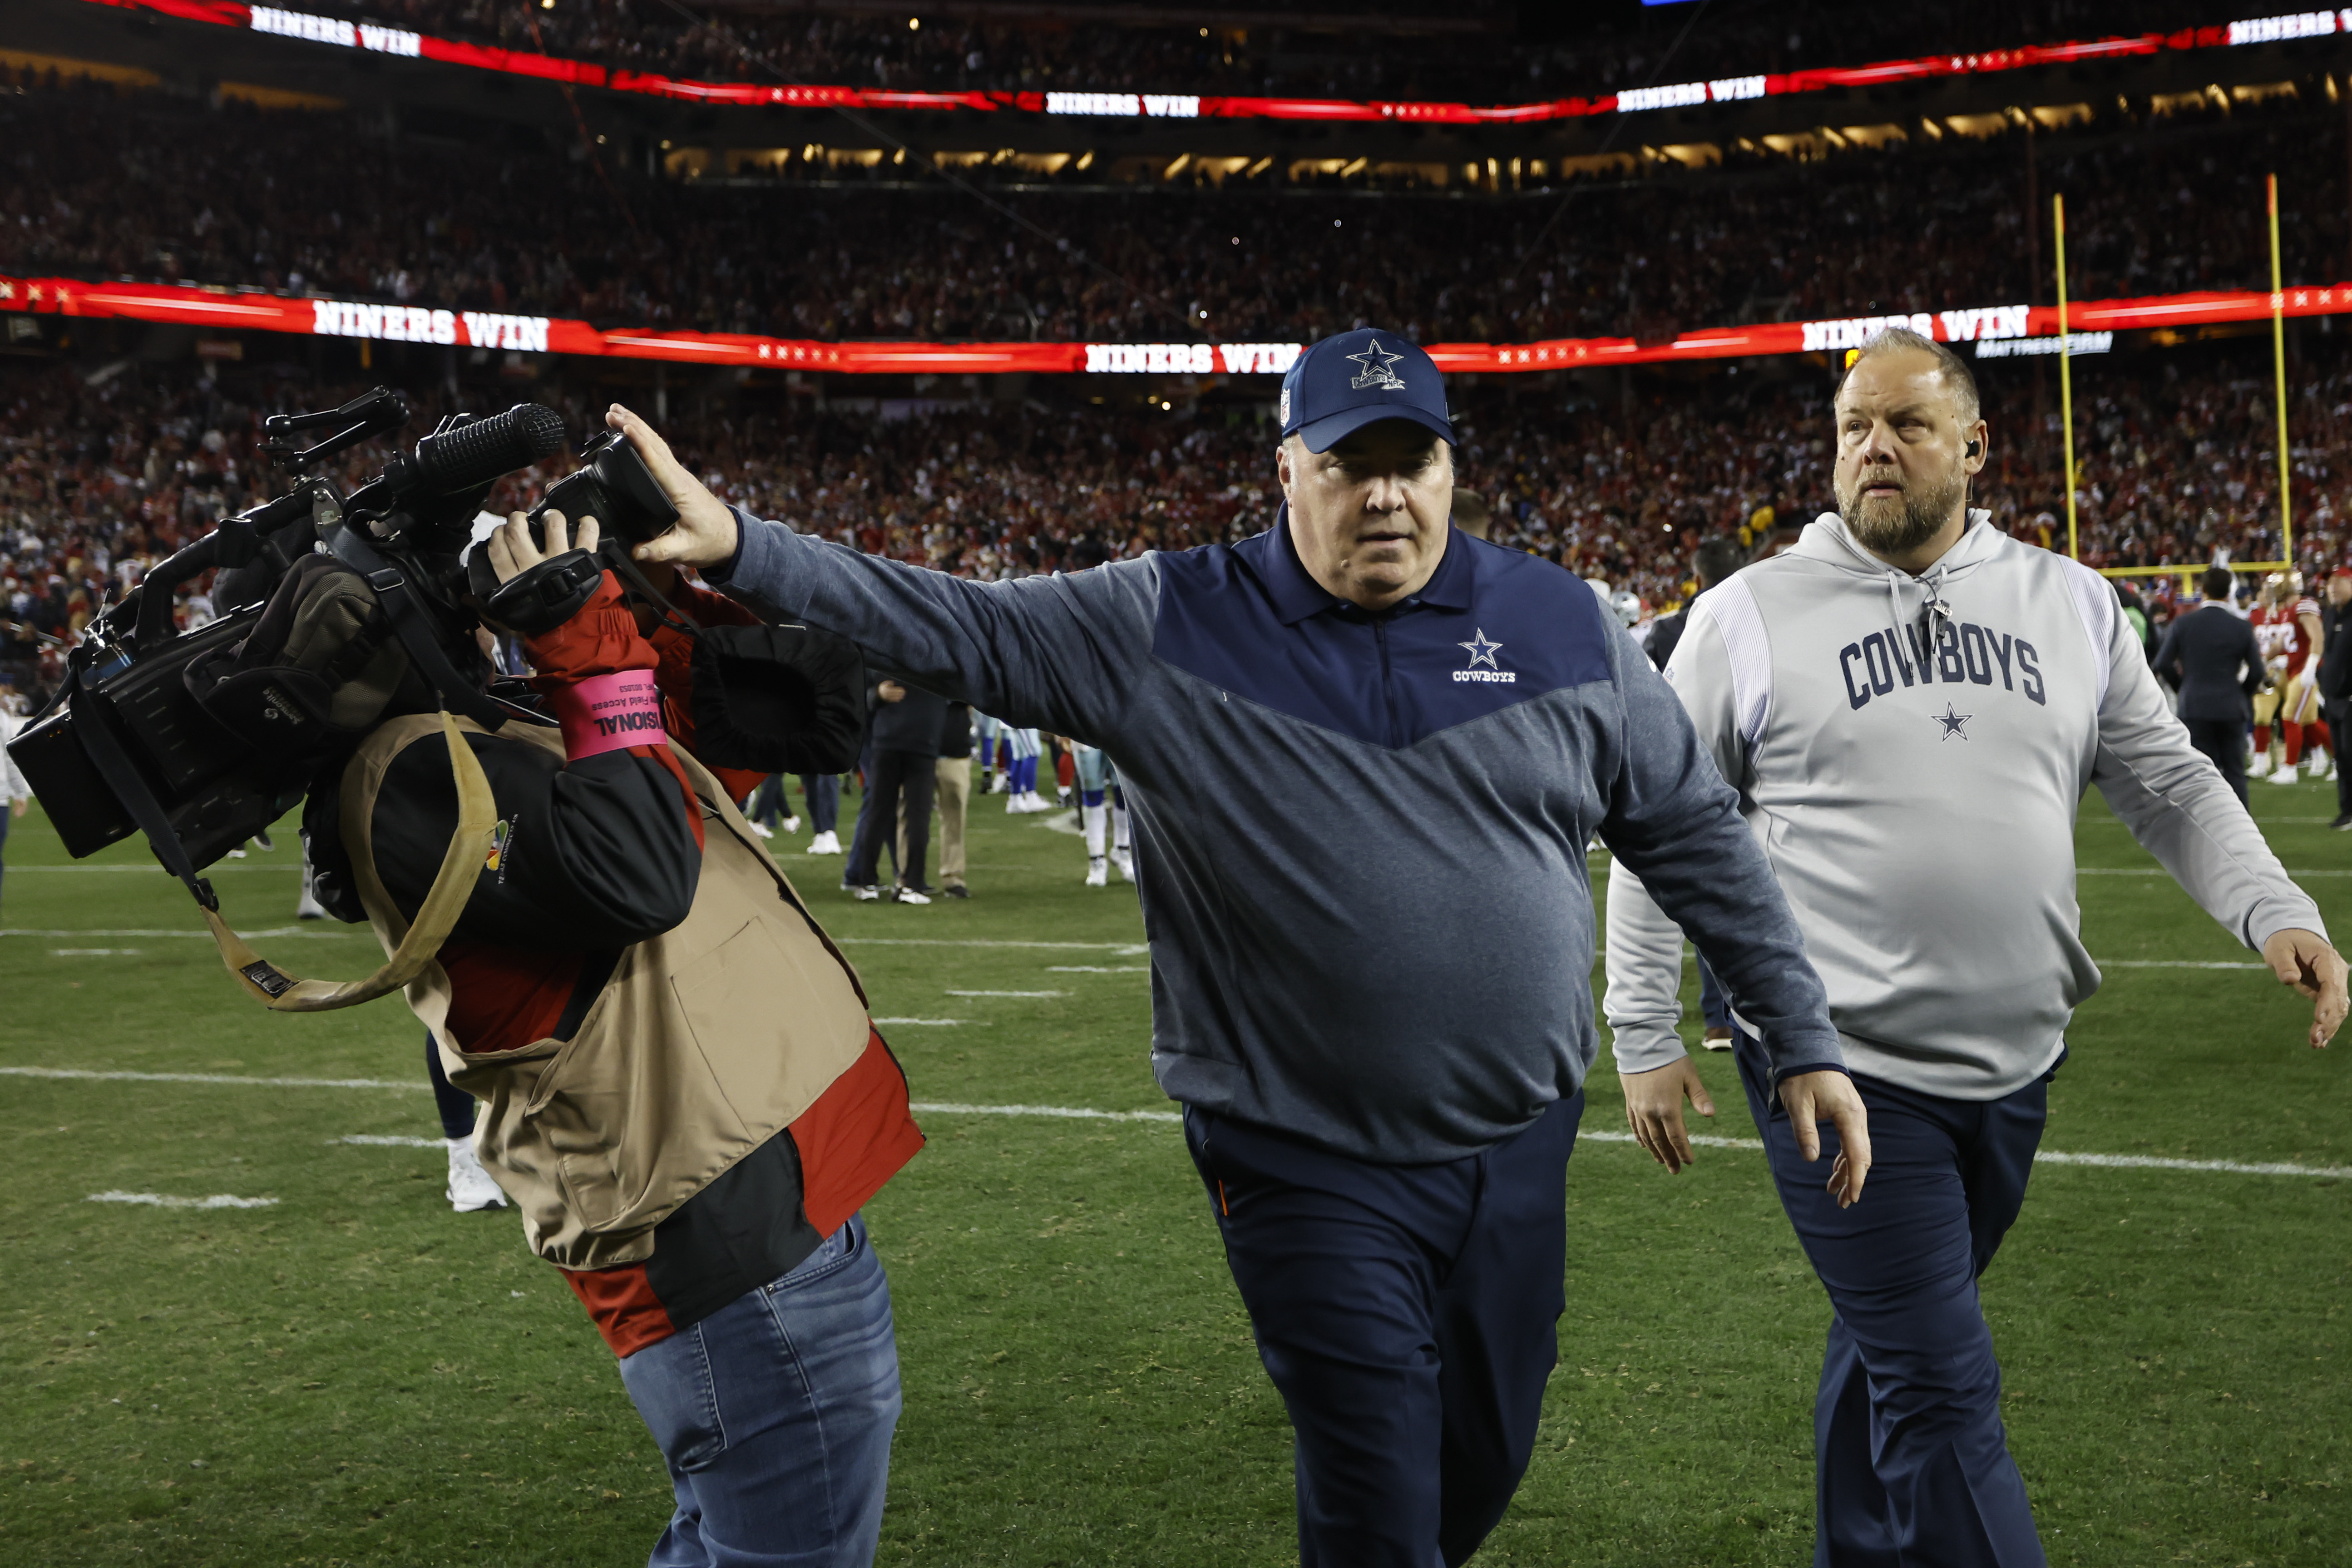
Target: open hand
[1654,1105]
[1813,1096]
[2303,960]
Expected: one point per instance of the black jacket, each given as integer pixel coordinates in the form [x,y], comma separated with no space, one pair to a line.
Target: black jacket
[955,730]
[910,724]
[2336,658]
[2211,656]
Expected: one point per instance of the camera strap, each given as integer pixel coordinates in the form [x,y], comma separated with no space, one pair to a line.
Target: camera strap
[469,851]
[436,917]
[410,623]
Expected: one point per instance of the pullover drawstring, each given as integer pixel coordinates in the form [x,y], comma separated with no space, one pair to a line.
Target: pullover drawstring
[1933,611]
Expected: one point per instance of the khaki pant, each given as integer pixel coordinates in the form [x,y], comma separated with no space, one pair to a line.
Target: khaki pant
[954,792]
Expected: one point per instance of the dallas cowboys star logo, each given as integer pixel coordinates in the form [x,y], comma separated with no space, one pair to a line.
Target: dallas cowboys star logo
[1481,650]
[1376,373]
[1951,722]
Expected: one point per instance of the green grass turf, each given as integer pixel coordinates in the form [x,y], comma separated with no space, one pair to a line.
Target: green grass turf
[358,1376]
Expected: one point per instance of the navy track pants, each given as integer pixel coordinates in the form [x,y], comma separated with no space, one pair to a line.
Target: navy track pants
[1408,1317]
[1913,1463]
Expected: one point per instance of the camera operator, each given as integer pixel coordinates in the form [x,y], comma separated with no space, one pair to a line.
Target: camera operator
[680,1087]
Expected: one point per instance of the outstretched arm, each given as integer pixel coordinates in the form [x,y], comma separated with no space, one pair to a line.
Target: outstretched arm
[1057,653]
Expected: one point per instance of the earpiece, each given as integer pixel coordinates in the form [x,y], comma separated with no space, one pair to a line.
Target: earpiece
[1974,447]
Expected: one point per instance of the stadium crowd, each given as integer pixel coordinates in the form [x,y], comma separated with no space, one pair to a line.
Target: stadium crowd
[1255,51]
[2177,461]
[163,190]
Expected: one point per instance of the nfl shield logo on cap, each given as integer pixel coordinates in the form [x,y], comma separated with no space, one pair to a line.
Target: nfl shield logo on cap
[1345,382]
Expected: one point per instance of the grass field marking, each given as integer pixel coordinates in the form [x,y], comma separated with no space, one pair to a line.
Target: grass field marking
[2227,1167]
[199,934]
[2170,963]
[940,1023]
[1115,949]
[1008,994]
[96,951]
[1082,1113]
[390,1141]
[165,1201]
[115,867]
[1097,969]
[118,1076]
[2160,871]
[1065,1112]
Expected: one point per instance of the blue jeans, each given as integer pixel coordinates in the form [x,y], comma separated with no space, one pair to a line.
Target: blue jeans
[1408,1315]
[1913,1463]
[774,1414]
[823,791]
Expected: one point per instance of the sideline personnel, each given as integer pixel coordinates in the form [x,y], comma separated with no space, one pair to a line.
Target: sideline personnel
[2213,656]
[1910,705]
[681,1089]
[1369,970]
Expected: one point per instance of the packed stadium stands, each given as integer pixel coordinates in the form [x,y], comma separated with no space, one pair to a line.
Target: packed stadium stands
[96,480]
[1475,52]
[159,189]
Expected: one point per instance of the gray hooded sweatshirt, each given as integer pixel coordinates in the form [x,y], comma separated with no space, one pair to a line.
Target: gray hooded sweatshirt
[1909,753]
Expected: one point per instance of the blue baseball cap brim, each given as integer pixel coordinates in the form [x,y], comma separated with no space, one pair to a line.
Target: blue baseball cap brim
[1326,433]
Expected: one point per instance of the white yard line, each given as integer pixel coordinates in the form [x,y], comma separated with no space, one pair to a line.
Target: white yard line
[96,951]
[390,1141]
[1097,969]
[937,1023]
[2171,963]
[1068,1112]
[200,934]
[294,865]
[1117,949]
[162,1201]
[1062,1113]
[1008,994]
[211,1077]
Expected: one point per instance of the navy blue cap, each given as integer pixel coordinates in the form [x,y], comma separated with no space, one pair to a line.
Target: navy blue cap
[1341,385]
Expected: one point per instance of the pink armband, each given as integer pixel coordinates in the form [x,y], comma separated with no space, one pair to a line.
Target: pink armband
[607,712]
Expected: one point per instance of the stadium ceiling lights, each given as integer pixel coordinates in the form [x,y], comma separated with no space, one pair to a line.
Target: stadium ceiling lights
[340,34]
[1997,332]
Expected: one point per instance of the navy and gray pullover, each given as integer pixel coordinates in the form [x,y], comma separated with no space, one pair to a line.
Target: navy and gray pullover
[1360,837]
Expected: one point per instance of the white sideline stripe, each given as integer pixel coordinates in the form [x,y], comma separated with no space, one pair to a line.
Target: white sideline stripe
[938,1023]
[1065,1112]
[200,934]
[1115,949]
[163,1201]
[1097,969]
[96,951]
[2151,1163]
[390,1141]
[210,870]
[210,1077]
[1008,994]
[2160,871]
[2170,963]
[1074,1113]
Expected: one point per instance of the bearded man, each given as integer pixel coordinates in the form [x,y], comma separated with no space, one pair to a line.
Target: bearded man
[1910,705]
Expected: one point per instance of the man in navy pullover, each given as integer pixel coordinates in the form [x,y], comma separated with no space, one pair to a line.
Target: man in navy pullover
[1370,972]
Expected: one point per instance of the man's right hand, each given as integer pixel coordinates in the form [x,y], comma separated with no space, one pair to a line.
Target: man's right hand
[1654,1105]
[705,533]
[1811,1096]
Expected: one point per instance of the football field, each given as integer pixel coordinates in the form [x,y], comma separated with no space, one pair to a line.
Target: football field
[242,1326]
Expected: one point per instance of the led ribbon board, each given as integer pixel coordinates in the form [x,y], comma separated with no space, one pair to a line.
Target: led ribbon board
[284,23]
[1996,332]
